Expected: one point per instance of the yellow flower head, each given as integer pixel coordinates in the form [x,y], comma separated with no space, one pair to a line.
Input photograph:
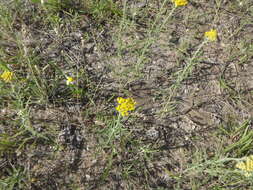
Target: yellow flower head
[125,105]
[246,166]
[211,35]
[7,76]
[70,80]
[179,3]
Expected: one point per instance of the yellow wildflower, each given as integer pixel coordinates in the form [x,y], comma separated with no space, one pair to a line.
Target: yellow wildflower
[7,76]
[179,3]
[211,35]
[70,80]
[246,166]
[125,105]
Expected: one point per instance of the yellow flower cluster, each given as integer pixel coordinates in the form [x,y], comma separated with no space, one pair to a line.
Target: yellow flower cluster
[179,3]
[211,35]
[7,76]
[246,166]
[70,80]
[125,105]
